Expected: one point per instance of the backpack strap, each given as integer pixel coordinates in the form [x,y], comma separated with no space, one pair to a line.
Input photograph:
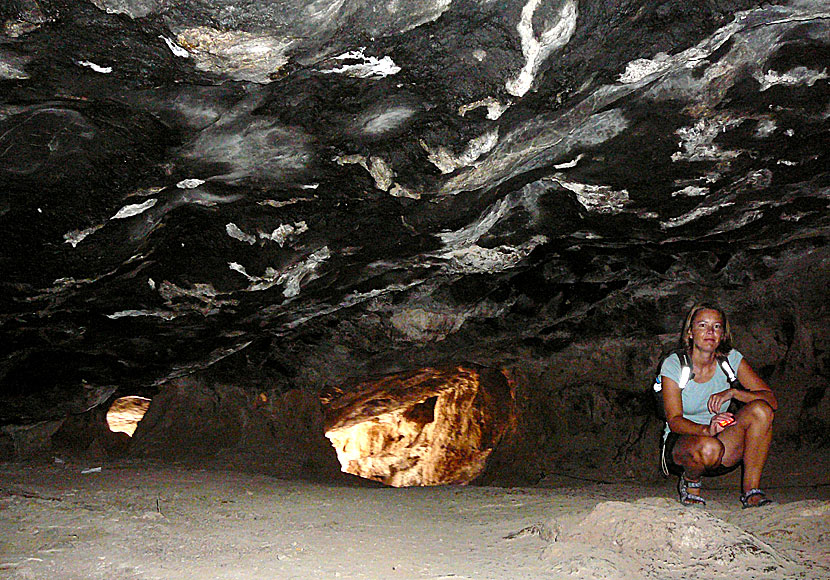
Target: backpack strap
[686,373]
[727,369]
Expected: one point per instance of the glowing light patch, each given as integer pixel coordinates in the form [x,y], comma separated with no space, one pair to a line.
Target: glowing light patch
[134,209]
[125,414]
[97,68]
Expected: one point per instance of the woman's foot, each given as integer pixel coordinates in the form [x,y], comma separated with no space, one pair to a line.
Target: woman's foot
[689,491]
[755,498]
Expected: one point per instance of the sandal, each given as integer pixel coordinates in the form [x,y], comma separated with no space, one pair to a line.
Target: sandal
[686,498]
[751,493]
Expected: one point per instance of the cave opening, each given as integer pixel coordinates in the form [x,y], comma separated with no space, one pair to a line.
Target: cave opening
[126,413]
[432,426]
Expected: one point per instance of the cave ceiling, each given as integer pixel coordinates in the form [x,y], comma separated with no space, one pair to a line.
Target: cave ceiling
[312,190]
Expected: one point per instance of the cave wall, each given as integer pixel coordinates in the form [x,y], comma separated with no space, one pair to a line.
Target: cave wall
[197,422]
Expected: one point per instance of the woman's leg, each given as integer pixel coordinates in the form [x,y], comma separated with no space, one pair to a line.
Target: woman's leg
[748,439]
[696,454]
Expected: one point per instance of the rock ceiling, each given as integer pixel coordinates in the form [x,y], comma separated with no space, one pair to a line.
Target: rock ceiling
[325,188]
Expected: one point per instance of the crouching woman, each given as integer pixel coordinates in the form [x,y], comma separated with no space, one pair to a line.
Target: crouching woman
[702,437]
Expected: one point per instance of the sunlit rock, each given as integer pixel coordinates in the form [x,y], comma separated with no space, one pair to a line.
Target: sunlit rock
[429,427]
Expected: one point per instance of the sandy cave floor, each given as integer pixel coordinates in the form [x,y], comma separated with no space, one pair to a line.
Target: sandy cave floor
[135,520]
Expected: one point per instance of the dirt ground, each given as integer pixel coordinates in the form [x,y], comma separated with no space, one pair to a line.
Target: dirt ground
[135,520]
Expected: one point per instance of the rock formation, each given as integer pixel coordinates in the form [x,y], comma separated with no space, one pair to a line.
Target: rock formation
[233,208]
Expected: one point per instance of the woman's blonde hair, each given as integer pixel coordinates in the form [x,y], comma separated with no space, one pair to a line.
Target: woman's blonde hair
[726,340]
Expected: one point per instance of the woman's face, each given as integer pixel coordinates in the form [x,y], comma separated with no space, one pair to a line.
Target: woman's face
[706,331]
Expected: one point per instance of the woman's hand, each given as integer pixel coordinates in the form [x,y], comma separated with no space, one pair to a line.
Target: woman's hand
[717,400]
[720,422]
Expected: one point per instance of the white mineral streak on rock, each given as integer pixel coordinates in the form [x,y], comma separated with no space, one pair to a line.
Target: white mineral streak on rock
[462,253]
[352,160]
[537,142]
[377,167]
[189,183]
[370,66]
[641,68]
[163,314]
[236,233]
[765,128]
[175,48]
[537,49]
[12,66]
[472,233]
[130,8]
[286,202]
[570,164]
[251,147]
[134,209]
[696,213]
[75,237]
[420,325]
[96,67]
[399,190]
[691,191]
[202,198]
[381,172]
[447,162]
[290,278]
[742,220]
[494,108]
[241,55]
[286,231]
[697,143]
[597,198]
[207,299]
[351,300]
[476,259]
[797,76]
[377,122]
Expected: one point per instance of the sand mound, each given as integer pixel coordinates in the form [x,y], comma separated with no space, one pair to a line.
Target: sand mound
[657,537]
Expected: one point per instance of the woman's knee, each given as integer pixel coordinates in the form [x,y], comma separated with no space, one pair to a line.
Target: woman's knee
[711,452]
[759,411]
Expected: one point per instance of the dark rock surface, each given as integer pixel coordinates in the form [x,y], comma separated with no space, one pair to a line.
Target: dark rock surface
[292,195]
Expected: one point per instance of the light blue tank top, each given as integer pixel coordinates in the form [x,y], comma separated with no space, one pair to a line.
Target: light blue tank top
[696,395]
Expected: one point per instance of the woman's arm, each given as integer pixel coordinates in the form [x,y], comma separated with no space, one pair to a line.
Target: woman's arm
[754,389]
[673,405]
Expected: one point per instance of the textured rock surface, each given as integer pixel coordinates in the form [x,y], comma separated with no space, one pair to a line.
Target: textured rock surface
[288,196]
